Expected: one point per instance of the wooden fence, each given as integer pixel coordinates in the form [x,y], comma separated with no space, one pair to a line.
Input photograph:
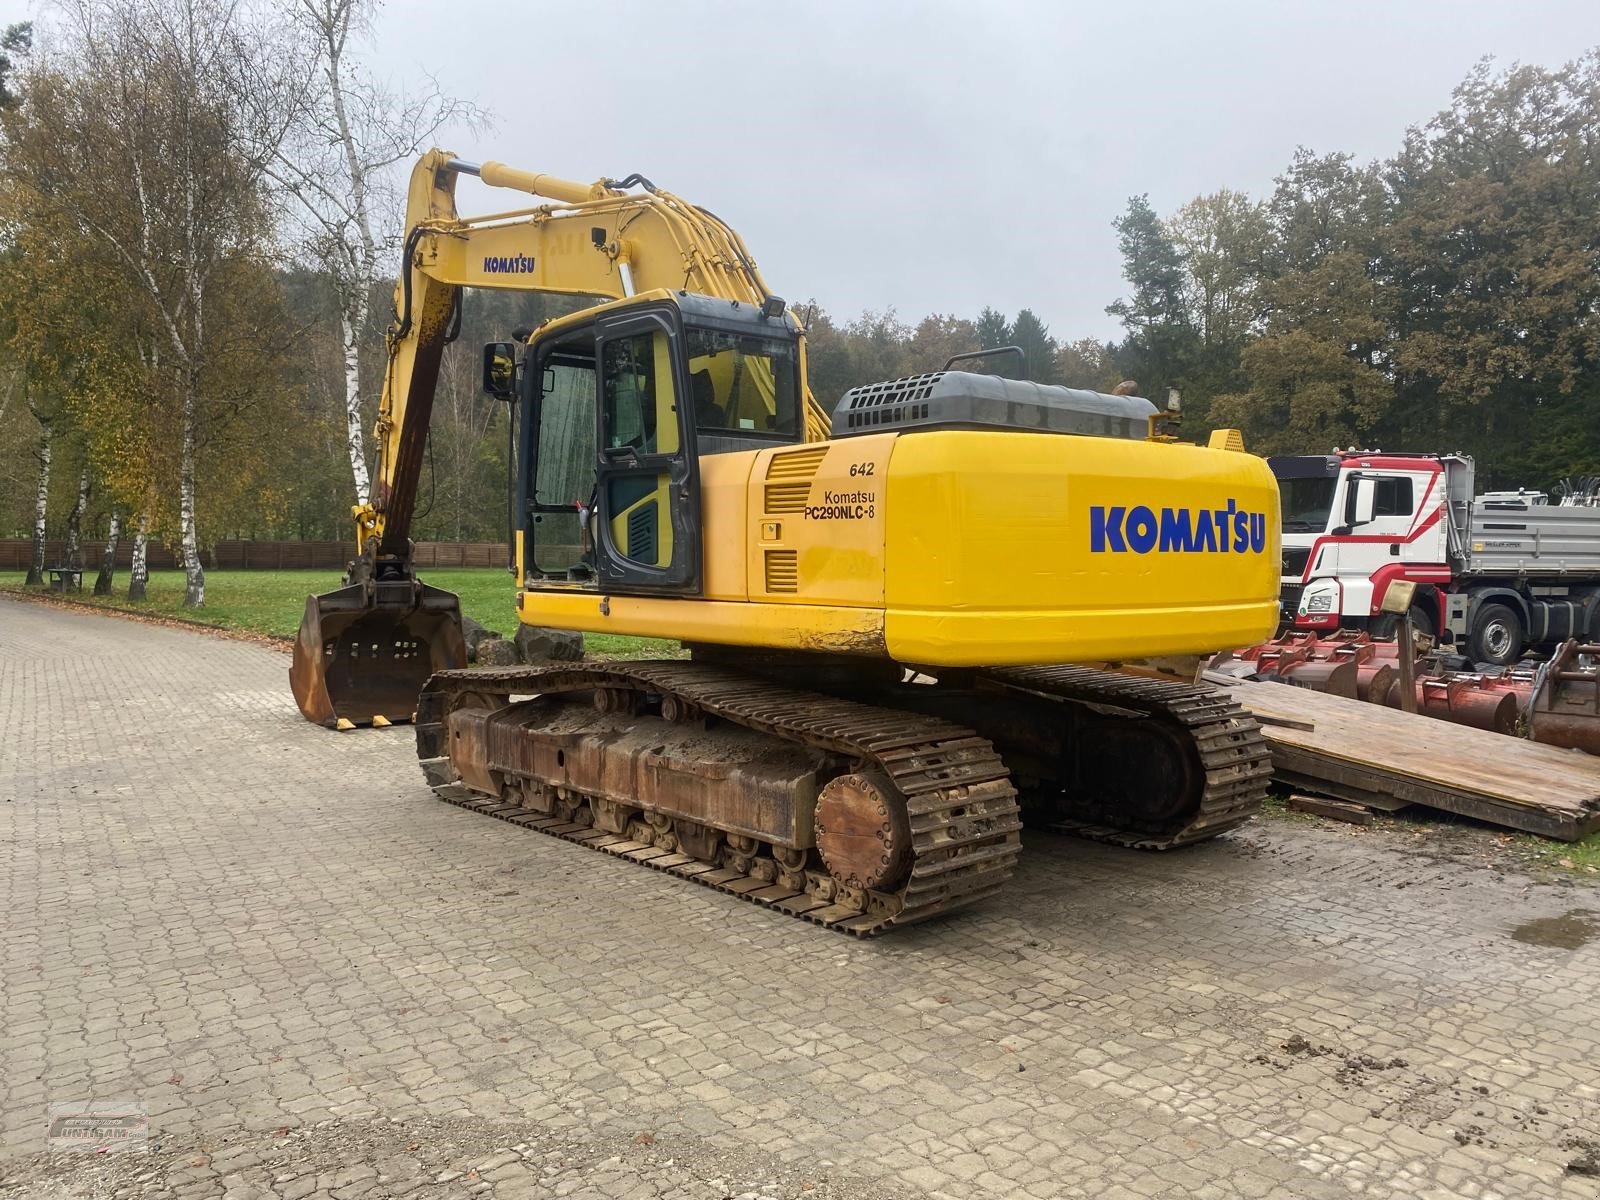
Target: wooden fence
[16,554]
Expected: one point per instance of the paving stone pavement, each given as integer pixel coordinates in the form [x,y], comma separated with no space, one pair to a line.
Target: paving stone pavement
[320,981]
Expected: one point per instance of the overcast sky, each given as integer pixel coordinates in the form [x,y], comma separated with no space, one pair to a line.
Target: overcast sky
[938,157]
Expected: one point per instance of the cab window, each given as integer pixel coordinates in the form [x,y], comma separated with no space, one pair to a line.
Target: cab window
[1392,497]
[741,383]
[563,454]
[639,412]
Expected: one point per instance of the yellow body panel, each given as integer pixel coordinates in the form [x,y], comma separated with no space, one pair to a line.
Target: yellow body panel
[821,506]
[780,627]
[724,483]
[992,555]
[958,548]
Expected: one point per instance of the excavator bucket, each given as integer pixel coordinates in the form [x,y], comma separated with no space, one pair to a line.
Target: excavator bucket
[361,658]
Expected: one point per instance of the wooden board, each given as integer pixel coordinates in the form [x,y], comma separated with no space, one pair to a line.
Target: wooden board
[1336,810]
[1359,748]
[1326,787]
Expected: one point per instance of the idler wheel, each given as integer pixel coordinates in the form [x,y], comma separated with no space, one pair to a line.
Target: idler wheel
[862,830]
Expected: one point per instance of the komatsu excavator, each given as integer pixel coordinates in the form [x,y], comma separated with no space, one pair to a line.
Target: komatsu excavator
[879,606]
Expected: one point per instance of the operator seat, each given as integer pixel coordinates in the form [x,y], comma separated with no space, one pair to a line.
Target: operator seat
[708,414]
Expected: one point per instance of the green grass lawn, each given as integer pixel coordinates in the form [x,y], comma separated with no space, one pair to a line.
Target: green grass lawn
[272,602]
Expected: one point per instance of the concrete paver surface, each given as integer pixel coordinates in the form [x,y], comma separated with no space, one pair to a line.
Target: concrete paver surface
[319,980]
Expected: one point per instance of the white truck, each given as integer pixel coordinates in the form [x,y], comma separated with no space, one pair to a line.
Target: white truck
[1496,574]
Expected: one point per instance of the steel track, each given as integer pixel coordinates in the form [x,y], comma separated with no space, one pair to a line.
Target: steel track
[1235,759]
[962,808]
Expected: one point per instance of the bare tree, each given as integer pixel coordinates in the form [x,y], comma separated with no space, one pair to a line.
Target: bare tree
[337,165]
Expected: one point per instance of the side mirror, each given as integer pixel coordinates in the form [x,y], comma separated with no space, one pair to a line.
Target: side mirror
[1359,496]
[1366,496]
[500,370]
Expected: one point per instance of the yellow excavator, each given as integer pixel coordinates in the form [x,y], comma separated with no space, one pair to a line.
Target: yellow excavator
[881,606]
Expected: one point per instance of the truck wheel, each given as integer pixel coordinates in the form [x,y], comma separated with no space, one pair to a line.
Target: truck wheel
[1424,621]
[1385,626]
[1496,636]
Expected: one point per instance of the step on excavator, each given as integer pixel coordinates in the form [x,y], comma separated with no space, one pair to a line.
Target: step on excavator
[887,610]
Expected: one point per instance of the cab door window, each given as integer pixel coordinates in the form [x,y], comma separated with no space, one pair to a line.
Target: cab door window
[640,407]
[1380,506]
[639,437]
[1392,497]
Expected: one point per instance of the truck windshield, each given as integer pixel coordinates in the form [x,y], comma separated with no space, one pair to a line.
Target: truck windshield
[744,384]
[1306,503]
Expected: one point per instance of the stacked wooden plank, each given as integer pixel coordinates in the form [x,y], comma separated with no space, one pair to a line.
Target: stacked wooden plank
[1384,758]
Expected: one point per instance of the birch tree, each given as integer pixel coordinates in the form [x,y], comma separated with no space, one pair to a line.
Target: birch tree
[149,140]
[139,567]
[73,557]
[338,166]
[108,556]
[41,507]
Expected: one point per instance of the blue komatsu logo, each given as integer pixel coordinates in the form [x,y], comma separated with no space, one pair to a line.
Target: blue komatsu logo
[499,264]
[1141,529]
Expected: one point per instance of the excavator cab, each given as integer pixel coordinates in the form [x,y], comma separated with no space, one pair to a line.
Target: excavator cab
[619,406]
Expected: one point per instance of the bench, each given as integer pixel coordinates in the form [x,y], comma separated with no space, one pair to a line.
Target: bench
[61,578]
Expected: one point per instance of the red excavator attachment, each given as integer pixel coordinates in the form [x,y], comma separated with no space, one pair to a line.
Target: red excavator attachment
[365,650]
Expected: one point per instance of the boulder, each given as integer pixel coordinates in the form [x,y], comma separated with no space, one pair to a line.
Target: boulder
[474,634]
[496,652]
[538,645]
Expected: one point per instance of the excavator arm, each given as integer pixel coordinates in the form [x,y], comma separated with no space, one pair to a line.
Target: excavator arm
[598,240]
[364,650]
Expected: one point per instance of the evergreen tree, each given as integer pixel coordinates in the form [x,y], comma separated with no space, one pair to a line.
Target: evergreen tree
[1160,341]
[16,42]
[993,330]
[1037,345]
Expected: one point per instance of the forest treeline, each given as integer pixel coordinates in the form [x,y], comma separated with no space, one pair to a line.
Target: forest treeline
[1446,298]
[199,237]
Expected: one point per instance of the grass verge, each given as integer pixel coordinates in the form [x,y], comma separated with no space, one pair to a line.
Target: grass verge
[271,603]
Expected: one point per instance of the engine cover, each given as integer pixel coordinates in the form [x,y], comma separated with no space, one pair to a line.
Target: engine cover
[965,400]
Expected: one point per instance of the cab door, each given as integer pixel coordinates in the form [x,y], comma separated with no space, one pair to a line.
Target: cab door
[647,519]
